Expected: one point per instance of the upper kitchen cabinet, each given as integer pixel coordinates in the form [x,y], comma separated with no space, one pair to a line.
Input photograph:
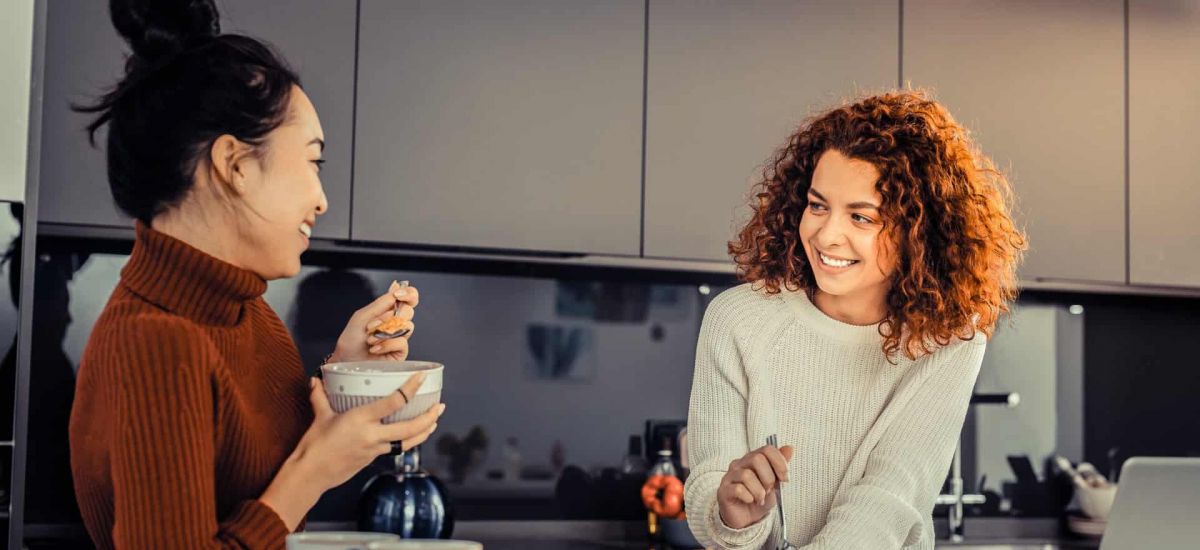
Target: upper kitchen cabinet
[727,82]
[1164,112]
[85,56]
[500,125]
[1041,85]
[17,31]
[316,37]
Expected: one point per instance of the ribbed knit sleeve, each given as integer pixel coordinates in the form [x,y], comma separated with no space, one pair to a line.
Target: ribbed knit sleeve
[887,506]
[163,456]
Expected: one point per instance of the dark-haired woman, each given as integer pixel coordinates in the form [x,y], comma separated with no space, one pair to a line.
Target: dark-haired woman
[194,425]
[879,256]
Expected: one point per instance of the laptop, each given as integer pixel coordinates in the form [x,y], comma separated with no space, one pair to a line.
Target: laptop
[1157,506]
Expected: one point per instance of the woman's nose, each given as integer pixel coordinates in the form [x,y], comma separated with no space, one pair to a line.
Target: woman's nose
[322,204]
[831,233]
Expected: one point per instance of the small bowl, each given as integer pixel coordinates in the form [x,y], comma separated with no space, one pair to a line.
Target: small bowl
[336,540]
[1096,502]
[426,545]
[357,383]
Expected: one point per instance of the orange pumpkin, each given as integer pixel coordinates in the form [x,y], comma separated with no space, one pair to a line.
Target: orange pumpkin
[663,495]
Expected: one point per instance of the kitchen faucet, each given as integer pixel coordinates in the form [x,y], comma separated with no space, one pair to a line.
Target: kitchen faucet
[956,499]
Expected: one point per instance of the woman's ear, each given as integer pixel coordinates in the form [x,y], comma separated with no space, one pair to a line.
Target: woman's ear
[230,160]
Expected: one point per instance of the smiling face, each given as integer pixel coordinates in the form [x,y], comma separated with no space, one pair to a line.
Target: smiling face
[842,232]
[282,194]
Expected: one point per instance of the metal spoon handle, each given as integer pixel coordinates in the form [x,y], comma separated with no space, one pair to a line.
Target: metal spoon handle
[396,309]
[783,542]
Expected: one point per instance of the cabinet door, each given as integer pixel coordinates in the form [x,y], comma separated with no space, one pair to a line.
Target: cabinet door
[1164,112]
[85,56]
[17,30]
[502,125]
[317,39]
[1041,84]
[727,82]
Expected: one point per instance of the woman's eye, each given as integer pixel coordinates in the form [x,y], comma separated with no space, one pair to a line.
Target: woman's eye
[816,207]
[320,164]
[862,219]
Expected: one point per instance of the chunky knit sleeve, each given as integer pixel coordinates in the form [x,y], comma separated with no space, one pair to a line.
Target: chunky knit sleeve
[717,417]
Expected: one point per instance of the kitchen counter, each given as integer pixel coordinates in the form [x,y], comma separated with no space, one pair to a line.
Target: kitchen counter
[982,534]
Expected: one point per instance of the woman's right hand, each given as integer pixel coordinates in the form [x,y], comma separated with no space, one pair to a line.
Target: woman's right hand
[336,446]
[747,491]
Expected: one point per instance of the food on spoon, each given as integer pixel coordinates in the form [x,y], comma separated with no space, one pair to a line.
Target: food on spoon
[391,326]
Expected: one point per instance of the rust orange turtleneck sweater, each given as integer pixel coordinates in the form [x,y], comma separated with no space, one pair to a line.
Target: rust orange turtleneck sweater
[190,396]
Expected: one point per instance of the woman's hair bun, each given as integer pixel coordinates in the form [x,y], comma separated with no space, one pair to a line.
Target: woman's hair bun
[158,28]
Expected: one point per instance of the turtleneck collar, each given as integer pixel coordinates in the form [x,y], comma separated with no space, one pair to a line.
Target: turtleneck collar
[183,280]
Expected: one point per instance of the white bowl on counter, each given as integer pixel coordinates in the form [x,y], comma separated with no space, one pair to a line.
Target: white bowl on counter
[352,384]
[426,545]
[336,540]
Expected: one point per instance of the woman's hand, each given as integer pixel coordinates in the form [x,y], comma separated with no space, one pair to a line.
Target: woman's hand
[337,446]
[340,445]
[358,343]
[747,491]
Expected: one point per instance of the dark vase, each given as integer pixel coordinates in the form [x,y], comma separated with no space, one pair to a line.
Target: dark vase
[406,501]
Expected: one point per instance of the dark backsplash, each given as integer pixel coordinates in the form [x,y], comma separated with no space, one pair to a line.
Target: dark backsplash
[572,365]
[1142,378]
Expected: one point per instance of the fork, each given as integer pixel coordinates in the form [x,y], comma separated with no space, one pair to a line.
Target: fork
[783,543]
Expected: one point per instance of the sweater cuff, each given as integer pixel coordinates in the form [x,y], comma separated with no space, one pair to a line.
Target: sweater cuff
[750,536]
[256,525]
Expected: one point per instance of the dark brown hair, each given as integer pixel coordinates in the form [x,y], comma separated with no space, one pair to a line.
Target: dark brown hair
[185,85]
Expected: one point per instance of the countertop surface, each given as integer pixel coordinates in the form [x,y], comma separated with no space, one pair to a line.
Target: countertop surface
[982,534]
[989,533]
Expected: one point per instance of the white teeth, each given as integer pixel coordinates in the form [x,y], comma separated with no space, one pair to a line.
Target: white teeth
[835,263]
[306,230]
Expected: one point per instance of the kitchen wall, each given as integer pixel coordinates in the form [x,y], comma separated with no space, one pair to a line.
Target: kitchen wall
[1143,377]
[1036,353]
[477,326]
[633,362]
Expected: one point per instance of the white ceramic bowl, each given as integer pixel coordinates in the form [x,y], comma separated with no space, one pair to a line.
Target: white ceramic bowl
[426,545]
[352,384]
[336,540]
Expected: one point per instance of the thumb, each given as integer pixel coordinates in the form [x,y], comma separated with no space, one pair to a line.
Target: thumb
[787,452]
[320,403]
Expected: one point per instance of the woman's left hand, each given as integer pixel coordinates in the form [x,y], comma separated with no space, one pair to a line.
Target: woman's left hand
[358,341]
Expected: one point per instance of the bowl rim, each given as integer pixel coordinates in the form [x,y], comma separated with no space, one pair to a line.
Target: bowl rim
[343,536]
[403,543]
[422,366]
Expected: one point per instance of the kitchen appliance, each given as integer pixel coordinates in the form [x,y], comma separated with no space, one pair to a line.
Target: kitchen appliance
[1156,506]
[406,501]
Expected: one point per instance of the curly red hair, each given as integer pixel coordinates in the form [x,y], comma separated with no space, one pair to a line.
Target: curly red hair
[945,208]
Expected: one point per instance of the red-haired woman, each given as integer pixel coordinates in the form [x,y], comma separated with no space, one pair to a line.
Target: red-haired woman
[878,259]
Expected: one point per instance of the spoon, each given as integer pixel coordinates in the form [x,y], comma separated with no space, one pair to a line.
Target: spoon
[783,541]
[387,335]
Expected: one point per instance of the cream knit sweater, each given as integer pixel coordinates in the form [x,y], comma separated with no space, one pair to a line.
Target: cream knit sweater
[873,441]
